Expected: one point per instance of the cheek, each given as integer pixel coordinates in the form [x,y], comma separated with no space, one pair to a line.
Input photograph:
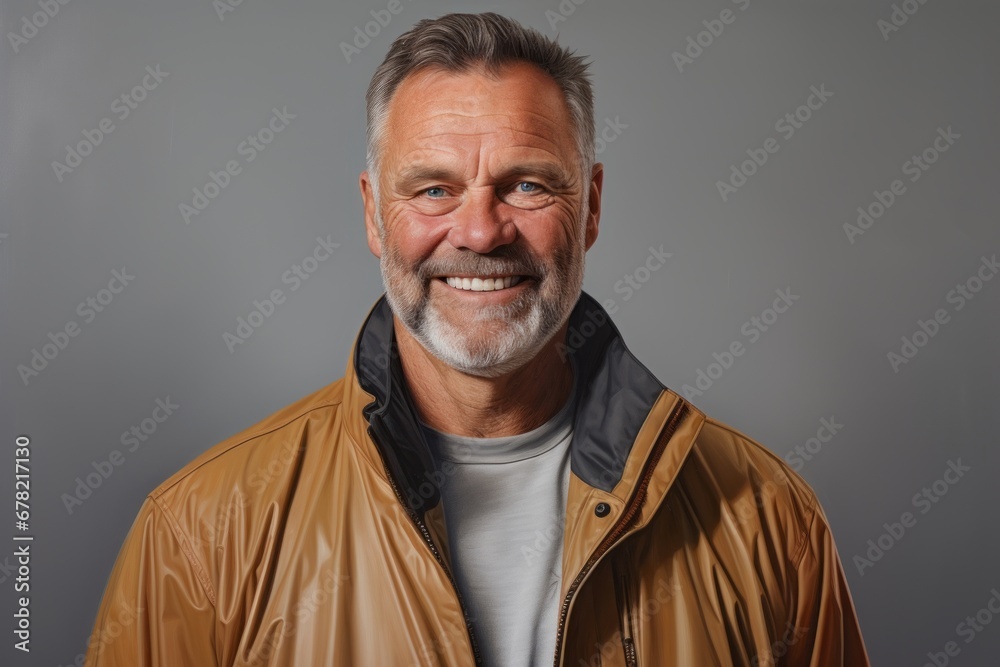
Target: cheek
[547,230]
[413,235]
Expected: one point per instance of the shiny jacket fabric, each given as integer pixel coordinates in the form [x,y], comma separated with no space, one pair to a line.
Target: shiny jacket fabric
[316,537]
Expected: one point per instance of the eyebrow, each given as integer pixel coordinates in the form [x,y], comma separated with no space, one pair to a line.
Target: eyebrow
[544,170]
[419,172]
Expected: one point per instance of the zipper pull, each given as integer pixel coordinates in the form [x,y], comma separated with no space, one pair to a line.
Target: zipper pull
[631,660]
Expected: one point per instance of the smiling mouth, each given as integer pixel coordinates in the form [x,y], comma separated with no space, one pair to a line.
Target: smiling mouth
[482,284]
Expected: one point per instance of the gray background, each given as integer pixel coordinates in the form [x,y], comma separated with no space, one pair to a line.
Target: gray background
[826,357]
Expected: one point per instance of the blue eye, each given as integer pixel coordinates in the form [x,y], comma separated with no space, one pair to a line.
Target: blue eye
[434,193]
[531,187]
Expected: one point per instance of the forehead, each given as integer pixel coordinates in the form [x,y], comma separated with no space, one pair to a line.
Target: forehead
[521,104]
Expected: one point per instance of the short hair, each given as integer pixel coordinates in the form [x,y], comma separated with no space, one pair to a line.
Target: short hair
[463,42]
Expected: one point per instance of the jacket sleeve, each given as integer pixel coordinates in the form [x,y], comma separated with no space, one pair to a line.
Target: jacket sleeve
[159,607]
[823,630]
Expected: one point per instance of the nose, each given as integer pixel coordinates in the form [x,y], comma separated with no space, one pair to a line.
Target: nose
[479,224]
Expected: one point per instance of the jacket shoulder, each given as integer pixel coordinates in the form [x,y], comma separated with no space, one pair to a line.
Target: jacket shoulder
[241,450]
[760,490]
[203,536]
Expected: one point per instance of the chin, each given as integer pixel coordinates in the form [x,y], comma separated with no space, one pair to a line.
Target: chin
[494,341]
[507,346]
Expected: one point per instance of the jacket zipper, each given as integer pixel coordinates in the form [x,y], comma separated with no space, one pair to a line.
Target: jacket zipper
[624,594]
[626,519]
[434,550]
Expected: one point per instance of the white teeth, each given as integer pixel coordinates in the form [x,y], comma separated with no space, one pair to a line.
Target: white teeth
[482,284]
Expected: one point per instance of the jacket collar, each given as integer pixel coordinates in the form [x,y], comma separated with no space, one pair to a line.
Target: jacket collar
[616,394]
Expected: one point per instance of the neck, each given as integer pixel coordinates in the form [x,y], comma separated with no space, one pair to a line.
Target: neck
[454,402]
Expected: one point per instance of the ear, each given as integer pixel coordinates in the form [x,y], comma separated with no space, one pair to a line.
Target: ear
[594,203]
[371,227]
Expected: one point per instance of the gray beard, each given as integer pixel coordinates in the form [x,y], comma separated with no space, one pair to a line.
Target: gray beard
[519,329]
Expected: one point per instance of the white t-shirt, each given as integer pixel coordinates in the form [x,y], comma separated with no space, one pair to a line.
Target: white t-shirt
[504,509]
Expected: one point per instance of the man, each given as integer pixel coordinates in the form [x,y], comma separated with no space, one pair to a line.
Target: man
[495,480]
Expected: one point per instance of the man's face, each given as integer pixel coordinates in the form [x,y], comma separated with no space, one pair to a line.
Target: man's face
[484,218]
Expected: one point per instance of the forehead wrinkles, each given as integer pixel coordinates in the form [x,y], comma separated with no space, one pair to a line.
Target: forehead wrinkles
[527,127]
[490,142]
[523,106]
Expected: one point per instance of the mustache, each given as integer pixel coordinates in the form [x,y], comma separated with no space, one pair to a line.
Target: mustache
[514,260]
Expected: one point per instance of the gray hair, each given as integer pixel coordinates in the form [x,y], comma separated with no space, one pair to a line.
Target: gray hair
[461,42]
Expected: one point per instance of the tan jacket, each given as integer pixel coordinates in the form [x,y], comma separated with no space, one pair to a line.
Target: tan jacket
[316,537]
